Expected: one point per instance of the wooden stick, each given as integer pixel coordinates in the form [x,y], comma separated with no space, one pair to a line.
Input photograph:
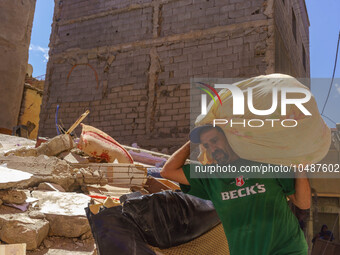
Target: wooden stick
[327,195]
[78,121]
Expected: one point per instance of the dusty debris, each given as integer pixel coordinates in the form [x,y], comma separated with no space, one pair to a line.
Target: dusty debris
[36,215]
[56,145]
[13,196]
[43,169]
[53,147]
[35,170]
[13,142]
[48,243]
[90,176]
[65,246]
[106,190]
[23,152]
[121,175]
[39,166]
[49,182]
[79,244]
[72,157]
[19,228]
[50,187]
[87,235]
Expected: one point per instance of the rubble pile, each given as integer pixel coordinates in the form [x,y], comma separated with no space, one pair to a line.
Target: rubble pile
[45,188]
[42,196]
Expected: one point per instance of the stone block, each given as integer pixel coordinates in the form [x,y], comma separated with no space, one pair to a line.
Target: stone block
[64,211]
[20,228]
[13,196]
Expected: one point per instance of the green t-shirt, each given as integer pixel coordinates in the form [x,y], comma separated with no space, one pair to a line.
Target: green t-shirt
[254,212]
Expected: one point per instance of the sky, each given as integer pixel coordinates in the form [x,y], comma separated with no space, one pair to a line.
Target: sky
[38,51]
[324,30]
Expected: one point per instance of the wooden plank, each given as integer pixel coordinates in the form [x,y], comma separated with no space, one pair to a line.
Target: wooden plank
[169,183]
[327,195]
[153,185]
[78,121]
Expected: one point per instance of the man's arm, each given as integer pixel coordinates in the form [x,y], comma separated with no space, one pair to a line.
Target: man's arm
[302,196]
[172,169]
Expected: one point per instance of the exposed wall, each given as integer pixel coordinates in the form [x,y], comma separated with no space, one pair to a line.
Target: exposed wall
[288,50]
[16,18]
[30,106]
[135,60]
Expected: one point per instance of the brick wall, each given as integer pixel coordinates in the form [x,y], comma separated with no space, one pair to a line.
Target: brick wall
[184,16]
[289,51]
[121,27]
[130,62]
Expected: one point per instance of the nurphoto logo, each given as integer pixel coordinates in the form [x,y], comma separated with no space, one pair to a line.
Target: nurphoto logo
[239,105]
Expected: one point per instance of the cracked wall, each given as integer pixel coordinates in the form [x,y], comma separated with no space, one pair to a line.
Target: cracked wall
[130,62]
[289,49]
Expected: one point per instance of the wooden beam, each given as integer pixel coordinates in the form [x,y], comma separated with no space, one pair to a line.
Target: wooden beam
[327,195]
[78,121]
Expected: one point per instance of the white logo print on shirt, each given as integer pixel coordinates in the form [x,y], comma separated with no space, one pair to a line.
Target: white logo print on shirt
[247,191]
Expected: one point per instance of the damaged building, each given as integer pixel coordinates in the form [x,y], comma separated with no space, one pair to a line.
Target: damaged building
[130,62]
[16,20]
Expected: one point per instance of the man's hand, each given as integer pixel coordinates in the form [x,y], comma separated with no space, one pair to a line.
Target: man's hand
[302,196]
[172,169]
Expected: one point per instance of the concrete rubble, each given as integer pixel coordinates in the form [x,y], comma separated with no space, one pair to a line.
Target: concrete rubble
[13,196]
[13,178]
[13,249]
[13,142]
[44,190]
[35,170]
[54,219]
[50,187]
[20,228]
[64,207]
[53,147]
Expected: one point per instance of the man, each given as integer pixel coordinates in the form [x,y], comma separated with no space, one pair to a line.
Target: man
[254,212]
[324,234]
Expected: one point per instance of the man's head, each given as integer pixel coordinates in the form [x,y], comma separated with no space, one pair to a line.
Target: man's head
[324,228]
[215,142]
